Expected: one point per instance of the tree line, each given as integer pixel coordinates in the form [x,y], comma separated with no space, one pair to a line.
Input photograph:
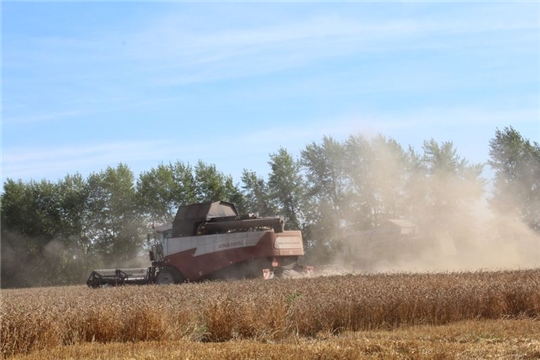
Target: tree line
[54,233]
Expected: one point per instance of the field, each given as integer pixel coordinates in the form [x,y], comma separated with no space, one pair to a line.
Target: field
[448,315]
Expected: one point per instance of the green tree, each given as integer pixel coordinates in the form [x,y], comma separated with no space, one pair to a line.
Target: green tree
[162,190]
[326,206]
[386,179]
[379,172]
[72,192]
[71,250]
[415,184]
[19,246]
[213,185]
[451,188]
[286,188]
[34,234]
[327,182]
[113,224]
[359,194]
[516,187]
[256,194]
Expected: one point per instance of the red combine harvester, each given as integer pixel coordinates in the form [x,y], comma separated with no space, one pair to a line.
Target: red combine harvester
[212,241]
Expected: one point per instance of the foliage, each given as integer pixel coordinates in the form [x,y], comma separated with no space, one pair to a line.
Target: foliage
[516,162]
[286,188]
[213,185]
[357,184]
[41,228]
[451,186]
[378,173]
[112,221]
[161,190]
[327,184]
[257,195]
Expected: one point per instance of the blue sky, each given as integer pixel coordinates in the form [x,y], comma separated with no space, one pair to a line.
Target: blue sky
[90,85]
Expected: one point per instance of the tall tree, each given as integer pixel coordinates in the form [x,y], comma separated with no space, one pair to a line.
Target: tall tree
[388,165]
[452,186]
[71,251]
[72,192]
[416,182]
[359,194]
[287,188]
[516,188]
[379,171]
[256,194]
[161,190]
[35,241]
[327,183]
[20,244]
[213,185]
[113,224]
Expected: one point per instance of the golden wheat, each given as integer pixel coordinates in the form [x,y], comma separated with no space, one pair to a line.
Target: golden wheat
[473,339]
[265,311]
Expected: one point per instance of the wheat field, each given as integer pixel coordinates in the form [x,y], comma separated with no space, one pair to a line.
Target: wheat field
[334,314]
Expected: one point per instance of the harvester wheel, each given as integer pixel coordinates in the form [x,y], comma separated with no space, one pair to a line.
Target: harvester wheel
[164,277]
[289,274]
[289,262]
[169,276]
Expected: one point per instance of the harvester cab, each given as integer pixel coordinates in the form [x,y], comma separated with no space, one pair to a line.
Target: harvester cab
[161,233]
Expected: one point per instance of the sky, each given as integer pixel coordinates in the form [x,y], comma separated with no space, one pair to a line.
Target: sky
[87,85]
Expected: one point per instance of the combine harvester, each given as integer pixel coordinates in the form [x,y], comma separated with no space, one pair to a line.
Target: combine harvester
[212,241]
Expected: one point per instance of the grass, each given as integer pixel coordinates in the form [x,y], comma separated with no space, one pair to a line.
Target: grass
[376,316]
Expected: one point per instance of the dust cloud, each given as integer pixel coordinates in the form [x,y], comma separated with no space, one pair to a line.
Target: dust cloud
[60,262]
[500,244]
[455,229]
[492,248]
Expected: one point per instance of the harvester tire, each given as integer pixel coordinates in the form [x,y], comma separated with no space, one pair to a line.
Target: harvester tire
[168,276]
[289,274]
[164,277]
